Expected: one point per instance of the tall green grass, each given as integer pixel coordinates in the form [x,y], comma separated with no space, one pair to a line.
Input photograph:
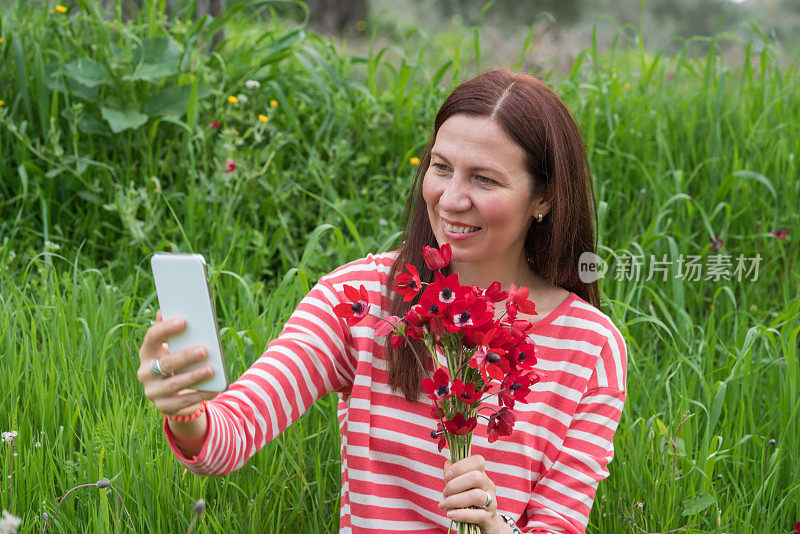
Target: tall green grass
[684,149]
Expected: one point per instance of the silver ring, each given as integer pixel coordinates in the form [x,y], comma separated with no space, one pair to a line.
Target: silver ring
[155,369]
[488,500]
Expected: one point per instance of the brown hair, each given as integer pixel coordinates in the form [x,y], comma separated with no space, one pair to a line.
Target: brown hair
[539,122]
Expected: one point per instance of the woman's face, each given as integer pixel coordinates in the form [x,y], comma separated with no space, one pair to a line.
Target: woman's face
[477,192]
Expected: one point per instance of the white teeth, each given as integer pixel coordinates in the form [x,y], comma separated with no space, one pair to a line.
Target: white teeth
[460,229]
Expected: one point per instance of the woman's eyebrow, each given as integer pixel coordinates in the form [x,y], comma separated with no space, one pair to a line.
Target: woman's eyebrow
[479,169]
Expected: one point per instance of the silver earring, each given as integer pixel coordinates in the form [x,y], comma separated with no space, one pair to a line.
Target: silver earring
[540,217]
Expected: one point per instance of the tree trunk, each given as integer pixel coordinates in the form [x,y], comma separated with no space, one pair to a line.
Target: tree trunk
[213,8]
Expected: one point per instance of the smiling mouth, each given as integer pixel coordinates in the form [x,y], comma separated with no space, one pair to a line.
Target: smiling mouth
[459,229]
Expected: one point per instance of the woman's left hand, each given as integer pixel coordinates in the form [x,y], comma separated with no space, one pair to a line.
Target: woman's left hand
[466,484]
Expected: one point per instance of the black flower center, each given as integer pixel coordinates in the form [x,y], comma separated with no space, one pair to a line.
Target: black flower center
[357,307]
[464,317]
[521,357]
[493,357]
[434,309]
[515,386]
[434,434]
[442,390]
[412,284]
[447,293]
[466,396]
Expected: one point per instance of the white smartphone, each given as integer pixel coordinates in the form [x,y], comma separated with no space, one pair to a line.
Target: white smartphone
[183,291]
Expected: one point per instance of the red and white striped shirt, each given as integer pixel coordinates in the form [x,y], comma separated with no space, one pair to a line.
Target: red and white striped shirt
[546,473]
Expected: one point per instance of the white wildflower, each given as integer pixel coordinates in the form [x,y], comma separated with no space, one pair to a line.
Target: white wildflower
[251,84]
[383,222]
[51,246]
[242,98]
[37,444]
[9,523]
[8,437]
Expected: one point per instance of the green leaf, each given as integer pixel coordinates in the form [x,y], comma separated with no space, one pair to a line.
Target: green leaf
[122,119]
[662,428]
[170,101]
[758,177]
[86,71]
[58,81]
[90,124]
[698,504]
[155,58]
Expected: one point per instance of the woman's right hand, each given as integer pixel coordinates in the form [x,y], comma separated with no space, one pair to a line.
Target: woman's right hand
[170,394]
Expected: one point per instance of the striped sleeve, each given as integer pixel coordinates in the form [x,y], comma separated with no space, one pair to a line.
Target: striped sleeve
[312,356]
[563,497]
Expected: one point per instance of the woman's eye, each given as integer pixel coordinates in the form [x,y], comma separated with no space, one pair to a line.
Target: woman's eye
[485,180]
[440,167]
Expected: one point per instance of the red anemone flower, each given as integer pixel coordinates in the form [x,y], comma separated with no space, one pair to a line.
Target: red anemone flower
[494,292]
[467,393]
[516,387]
[490,360]
[797,528]
[525,355]
[469,312]
[439,433]
[214,125]
[519,328]
[431,306]
[357,308]
[518,300]
[780,235]
[500,424]
[437,259]
[230,165]
[416,315]
[445,289]
[408,284]
[460,425]
[397,340]
[439,387]
[413,331]
[484,348]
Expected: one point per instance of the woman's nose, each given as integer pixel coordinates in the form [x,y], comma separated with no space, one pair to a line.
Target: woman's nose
[455,196]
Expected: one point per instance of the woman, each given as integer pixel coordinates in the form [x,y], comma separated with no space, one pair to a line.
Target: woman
[504,180]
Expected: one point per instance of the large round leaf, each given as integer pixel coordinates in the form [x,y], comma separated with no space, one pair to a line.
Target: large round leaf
[155,58]
[122,119]
[86,71]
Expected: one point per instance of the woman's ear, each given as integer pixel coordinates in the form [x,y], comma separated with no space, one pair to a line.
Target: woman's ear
[539,205]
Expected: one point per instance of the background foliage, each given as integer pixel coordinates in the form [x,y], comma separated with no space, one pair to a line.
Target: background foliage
[109,151]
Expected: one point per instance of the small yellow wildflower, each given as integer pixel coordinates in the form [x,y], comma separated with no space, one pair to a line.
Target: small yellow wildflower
[232,99]
[263,118]
[361,25]
[61,9]
[273,103]
[1,40]
[626,85]
[2,103]
[414,160]
[235,131]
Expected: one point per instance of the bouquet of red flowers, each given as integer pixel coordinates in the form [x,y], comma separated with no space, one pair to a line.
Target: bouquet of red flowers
[485,355]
